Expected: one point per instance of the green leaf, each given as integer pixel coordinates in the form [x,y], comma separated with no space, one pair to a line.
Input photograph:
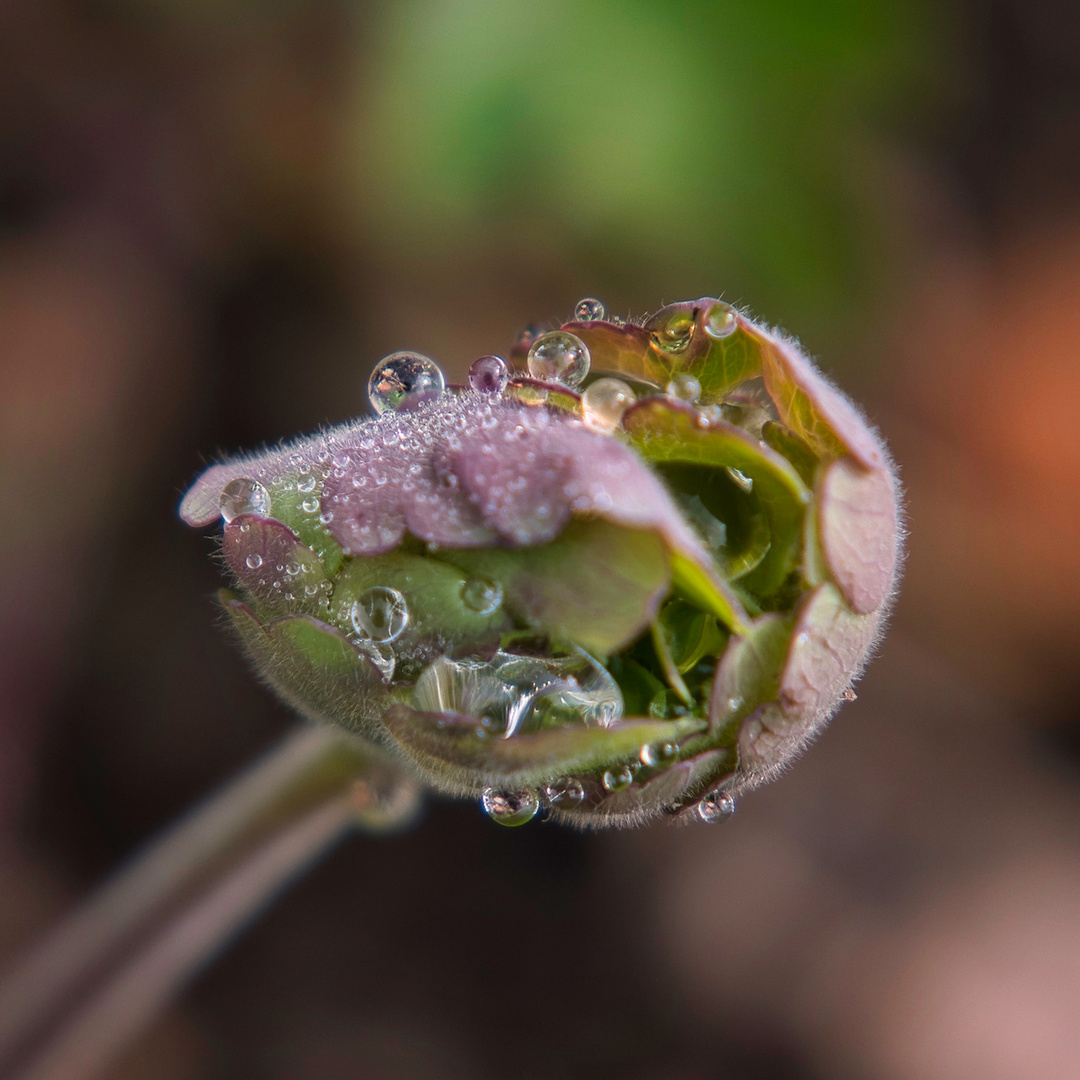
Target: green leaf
[750,670]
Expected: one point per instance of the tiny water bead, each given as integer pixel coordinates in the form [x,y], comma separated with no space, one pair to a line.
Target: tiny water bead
[253,562]
[618,779]
[604,402]
[684,387]
[589,310]
[401,376]
[481,595]
[559,357]
[655,754]
[243,496]
[721,321]
[510,808]
[489,375]
[379,614]
[716,806]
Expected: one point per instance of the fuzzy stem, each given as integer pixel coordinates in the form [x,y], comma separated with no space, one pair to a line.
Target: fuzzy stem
[106,971]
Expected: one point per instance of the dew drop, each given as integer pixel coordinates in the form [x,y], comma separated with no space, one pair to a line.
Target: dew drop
[589,310]
[310,505]
[306,483]
[559,357]
[604,403]
[675,336]
[253,562]
[510,808]
[720,321]
[564,793]
[489,375]
[481,595]
[401,376]
[379,614]
[243,496]
[716,806]
[618,779]
[684,387]
[655,754]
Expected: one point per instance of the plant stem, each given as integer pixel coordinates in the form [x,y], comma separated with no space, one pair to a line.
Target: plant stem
[106,971]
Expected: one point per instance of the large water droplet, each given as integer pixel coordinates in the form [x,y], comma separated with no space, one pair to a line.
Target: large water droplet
[618,779]
[716,806]
[243,496]
[522,693]
[510,807]
[310,505]
[253,562]
[559,357]
[379,614]
[589,310]
[481,595]
[403,376]
[684,387]
[675,335]
[662,753]
[604,402]
[721,321]
[489,375]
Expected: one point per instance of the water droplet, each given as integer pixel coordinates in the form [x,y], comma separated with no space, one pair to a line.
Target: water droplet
[379,614]
[676,335]
[243,496]
[733,704]
[655,754]
[684,387]
[253,562]
[489,375]
[709,415]
[481,595]
[559,357]
[306,483]
[716,806]
[604,403]
[401,376]
[310,505]
[589,310]
[510,808]
[721,321]
[564,793]
[745,482]
[850,695]
[618,779]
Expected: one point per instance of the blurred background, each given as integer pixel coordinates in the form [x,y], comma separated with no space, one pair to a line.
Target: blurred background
[216,215]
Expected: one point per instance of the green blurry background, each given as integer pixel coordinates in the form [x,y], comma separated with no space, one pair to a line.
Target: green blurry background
[216,216]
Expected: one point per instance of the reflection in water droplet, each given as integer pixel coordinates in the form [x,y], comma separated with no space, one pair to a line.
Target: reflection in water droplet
[510,807]
[655,754]
[676,335]
[720,321]
[253,562]
[716,806]
[618,779]
[559,357]
[565,793]
[740,478]
[522,693]
[401,376]
[243,496]
[481,595]
[684,387]
[604,402]
[489,375]
[589,310]
[379,614]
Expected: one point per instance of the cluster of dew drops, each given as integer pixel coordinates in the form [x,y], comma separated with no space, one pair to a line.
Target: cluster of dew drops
[405,380]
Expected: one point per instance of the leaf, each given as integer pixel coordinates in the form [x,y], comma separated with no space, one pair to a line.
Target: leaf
[448,744]
[750,670]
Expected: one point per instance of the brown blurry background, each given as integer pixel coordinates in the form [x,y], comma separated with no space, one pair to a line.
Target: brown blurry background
[215,216]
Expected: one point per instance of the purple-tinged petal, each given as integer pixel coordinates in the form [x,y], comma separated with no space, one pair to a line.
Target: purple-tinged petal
[271,563]
[857,523]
